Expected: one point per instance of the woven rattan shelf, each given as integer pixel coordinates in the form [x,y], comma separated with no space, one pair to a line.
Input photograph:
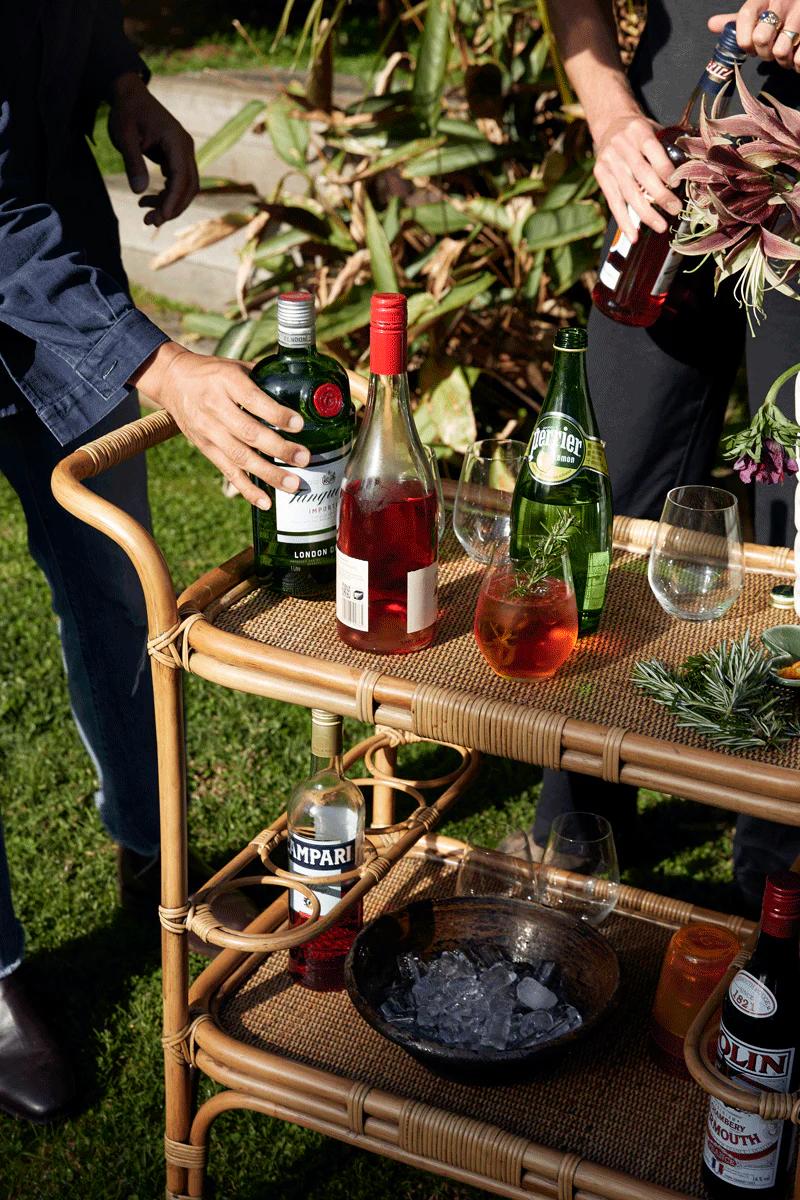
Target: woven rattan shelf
[604,1124]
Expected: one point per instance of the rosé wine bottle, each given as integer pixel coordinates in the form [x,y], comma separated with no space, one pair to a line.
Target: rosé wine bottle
[386,552]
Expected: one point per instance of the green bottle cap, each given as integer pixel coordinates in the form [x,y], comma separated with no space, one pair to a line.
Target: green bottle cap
[782,595]
[573,338]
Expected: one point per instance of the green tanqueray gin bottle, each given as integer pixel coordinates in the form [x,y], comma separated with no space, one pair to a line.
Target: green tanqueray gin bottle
[295,539]
[565,472]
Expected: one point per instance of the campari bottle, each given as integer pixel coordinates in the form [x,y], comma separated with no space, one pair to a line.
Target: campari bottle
[745,1155]
[295,539]
[325,817]
[565,472]
[386,568]
[636,277]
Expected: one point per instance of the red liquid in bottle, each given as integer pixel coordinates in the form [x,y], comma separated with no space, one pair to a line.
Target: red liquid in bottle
[391,526]
[635,279]
[319,964]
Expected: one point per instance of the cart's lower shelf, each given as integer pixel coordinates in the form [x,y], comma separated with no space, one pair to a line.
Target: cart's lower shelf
[605,1101]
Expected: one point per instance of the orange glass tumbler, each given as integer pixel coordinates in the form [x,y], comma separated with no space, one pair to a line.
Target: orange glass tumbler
[696,959]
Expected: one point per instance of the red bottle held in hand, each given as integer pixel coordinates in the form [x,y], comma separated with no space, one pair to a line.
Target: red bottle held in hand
[386,552]
[636,277]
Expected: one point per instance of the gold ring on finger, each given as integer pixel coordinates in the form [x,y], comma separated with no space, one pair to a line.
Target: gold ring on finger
[792,35]
[769,17]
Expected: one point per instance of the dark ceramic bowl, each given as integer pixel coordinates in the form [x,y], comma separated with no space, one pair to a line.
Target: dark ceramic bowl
[526,932]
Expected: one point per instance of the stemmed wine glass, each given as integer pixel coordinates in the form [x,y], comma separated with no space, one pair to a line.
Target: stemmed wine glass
[482,511]
[579,872]
[696,568]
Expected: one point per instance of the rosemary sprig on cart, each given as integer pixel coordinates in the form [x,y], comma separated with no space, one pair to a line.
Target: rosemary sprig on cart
[546,558]
[726,694]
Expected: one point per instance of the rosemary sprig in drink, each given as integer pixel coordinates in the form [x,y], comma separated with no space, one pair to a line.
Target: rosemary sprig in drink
[545,560]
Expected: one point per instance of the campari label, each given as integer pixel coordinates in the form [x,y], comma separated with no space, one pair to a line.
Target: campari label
[742,1148]
[313,857]
[751,996]
[560,449]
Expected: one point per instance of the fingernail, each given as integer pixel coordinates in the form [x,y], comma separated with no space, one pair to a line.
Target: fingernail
[302,457]
[264,503]
[290,483]
[295,424]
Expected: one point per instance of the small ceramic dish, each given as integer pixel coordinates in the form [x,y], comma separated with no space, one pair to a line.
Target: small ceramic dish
[784,642]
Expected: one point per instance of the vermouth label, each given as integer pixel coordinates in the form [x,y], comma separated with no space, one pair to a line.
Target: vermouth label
[306,519]
[560,449]
[742,1148]
[312,857]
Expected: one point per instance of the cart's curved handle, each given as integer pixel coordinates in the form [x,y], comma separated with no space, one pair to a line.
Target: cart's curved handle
[139,545]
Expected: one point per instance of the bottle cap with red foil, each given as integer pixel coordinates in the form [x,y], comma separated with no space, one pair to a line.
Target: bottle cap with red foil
[780,914]
[388,322]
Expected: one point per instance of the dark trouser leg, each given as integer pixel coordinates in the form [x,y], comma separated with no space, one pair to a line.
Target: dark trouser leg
[763,846]
[99,604]
[660,396]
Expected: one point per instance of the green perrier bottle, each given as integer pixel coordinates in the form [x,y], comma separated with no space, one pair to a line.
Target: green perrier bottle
[565,471]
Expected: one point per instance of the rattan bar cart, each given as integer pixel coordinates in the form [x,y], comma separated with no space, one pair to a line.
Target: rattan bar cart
[606,1124]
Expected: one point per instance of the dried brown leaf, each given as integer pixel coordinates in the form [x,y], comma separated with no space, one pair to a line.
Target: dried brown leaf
[195,237]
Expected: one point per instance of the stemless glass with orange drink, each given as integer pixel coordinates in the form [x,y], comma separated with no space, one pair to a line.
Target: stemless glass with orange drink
[526,618]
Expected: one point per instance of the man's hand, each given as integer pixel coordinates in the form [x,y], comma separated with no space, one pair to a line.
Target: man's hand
[141,127]
[780,42]
[215,403]
[632,168]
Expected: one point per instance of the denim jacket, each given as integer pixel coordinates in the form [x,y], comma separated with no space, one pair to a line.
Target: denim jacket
[70,336]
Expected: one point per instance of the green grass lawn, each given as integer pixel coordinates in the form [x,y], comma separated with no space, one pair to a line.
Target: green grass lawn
[99,972]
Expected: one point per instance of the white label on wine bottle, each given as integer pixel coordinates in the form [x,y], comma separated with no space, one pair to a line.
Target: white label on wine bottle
[312,857]
[421,610]
[309,514]
[609,275]
[741,1148]
[751,996]
[352,591]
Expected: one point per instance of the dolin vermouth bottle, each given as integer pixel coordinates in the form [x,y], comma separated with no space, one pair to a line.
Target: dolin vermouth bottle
[295,539]
[326,838]
[636,277]
[565,472]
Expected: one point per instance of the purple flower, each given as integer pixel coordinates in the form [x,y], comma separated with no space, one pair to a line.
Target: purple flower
[745,468]
[774,465]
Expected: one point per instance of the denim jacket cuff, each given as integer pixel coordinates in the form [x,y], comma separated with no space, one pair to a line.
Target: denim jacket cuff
[119,353]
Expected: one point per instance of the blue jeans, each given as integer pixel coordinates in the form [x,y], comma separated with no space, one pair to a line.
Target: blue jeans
[98,602]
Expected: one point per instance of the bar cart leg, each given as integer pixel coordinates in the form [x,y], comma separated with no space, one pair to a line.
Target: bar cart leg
[385,760]
[168,695]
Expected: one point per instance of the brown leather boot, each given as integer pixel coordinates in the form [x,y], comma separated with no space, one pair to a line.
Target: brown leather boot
[35,1081]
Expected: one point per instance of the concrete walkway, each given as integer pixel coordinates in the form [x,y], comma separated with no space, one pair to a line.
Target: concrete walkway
[203,102]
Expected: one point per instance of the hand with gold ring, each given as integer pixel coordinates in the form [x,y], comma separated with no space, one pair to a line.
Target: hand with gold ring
[768,32]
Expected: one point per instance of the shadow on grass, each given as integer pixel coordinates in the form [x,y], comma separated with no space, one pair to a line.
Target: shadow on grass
[78,985]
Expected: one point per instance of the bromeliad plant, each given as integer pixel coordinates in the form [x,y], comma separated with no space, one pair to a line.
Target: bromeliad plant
[463,177]
[742,178]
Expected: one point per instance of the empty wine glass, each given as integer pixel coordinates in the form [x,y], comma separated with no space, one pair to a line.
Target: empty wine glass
[482,511]
[491,873]
[696,568]
[579,872]
[441,515]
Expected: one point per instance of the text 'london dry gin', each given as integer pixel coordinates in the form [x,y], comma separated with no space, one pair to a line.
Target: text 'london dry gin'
[295,539]
[386,562]
[746,1154]
[325,818]
[565,472]
[636,277]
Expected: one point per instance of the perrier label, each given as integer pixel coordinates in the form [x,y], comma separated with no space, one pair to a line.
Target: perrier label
[565,471]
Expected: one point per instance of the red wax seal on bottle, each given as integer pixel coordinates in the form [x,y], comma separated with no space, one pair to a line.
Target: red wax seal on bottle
[328,400]
[780,913]
[388,321]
